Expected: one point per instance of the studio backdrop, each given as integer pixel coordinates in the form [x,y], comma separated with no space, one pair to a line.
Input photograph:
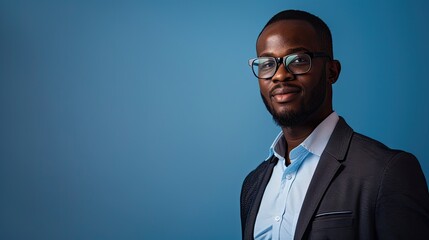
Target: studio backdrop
[140,119]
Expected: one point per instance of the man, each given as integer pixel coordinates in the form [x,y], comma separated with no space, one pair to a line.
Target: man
[323,180]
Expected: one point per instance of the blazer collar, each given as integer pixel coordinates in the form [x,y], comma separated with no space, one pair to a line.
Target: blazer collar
[329,164]
[339,142]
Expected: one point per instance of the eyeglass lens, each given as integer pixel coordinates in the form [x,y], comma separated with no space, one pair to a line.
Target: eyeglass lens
[266,67]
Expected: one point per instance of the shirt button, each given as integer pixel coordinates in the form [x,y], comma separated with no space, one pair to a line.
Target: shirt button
[277,218]
[288,177]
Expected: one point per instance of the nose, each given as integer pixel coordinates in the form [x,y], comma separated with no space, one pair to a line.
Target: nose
[282,74]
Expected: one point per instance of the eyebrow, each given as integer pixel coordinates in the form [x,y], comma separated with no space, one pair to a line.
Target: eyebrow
[290,51]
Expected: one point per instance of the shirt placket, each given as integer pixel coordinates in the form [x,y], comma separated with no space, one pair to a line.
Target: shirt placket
[285,187]
[288,178]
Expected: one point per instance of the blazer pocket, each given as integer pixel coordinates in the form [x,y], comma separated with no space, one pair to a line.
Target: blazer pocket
[334,219]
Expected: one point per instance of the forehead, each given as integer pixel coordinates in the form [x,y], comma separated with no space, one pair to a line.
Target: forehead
[285,36]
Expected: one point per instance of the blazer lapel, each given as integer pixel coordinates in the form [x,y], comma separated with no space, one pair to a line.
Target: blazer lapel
[251,219]
[329,164]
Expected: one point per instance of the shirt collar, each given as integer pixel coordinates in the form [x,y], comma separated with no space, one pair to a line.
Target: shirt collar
[314,143]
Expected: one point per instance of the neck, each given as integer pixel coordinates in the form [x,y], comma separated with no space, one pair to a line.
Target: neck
[295,135]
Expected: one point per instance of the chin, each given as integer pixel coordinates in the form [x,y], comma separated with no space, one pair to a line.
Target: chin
[287,118]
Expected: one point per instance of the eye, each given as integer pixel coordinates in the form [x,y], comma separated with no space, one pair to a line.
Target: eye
[299,60]
[266,64]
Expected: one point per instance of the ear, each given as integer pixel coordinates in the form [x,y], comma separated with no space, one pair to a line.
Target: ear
[333,71]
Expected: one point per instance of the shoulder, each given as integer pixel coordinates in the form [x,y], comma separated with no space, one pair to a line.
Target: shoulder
[346,141]
[392,169]
[368,148]
[369,159]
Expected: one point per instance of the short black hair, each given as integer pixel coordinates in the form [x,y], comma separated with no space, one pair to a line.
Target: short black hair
[318,24]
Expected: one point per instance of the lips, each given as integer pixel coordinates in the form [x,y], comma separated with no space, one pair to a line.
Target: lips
[285,94]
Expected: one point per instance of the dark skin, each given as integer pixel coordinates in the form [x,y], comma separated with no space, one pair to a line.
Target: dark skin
[306,97]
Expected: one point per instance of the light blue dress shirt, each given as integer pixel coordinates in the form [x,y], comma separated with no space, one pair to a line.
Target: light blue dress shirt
[285,192]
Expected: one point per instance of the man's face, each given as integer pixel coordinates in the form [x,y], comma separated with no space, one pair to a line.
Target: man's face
[294,99]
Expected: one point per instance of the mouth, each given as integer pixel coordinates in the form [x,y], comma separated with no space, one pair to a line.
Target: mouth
[285,94]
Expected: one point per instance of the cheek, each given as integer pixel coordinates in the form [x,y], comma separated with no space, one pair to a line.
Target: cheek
[315,84]
[316,91]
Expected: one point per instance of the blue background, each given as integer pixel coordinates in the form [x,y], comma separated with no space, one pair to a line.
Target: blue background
[140,119]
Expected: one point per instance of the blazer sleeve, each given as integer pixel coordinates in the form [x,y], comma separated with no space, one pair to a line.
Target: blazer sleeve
[402,209]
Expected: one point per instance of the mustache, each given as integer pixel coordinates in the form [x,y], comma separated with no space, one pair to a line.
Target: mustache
[284,89]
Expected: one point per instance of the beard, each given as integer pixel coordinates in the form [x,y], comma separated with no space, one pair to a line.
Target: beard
[291,118]
[285,118]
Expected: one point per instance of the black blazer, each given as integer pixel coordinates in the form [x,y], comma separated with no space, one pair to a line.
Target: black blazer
[360,190]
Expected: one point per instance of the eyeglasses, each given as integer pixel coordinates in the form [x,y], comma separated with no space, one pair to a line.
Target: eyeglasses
[297,63]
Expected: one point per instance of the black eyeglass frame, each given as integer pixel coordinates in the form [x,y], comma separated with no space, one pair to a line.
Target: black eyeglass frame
[280,60]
